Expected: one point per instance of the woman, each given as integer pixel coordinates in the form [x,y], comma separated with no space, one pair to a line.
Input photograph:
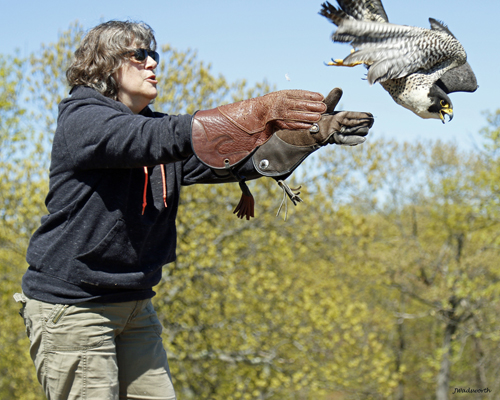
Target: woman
[116,172]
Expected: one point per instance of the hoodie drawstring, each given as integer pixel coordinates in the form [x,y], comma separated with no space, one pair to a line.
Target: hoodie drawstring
[164,187]
[164,183]
[144,201]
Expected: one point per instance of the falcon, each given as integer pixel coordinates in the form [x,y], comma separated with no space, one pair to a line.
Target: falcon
[418,67]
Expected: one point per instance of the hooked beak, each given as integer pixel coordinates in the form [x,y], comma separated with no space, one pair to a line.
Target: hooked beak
[446,110]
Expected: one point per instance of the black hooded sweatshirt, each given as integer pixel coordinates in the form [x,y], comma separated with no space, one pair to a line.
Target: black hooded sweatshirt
[100,242]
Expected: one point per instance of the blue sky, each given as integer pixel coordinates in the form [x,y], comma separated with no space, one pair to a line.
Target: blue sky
[276,39]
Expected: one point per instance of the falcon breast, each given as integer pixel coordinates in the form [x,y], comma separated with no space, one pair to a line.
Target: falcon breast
[418,67]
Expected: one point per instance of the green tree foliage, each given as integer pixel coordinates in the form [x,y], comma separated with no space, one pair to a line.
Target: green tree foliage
[245,300]
[30,89]
[383,284]
[436,245]
[16,191]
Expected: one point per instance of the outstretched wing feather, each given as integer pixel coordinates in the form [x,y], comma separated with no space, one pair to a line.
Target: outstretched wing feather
[392,51]
[377,9]
[364,10]
[439,26]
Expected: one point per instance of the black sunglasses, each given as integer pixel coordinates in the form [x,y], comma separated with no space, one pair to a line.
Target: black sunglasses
[142,54]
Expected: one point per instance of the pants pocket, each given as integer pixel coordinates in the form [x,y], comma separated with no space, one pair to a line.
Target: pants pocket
[73,327]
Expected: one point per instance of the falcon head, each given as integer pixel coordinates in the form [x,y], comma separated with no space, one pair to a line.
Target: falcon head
[440,104]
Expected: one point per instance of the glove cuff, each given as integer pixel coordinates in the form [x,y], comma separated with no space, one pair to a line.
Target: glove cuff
[278,159]
[218,142]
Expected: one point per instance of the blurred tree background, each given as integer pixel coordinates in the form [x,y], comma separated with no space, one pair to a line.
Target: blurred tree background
[383,284]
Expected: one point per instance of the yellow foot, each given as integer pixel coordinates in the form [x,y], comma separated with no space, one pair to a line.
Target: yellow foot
[340,63]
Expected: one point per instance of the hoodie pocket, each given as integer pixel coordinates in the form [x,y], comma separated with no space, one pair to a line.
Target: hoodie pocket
[114,255]
[115,247]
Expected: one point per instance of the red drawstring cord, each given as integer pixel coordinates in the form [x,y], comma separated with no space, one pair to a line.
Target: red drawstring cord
[144,201]
[164,181]
[164,184]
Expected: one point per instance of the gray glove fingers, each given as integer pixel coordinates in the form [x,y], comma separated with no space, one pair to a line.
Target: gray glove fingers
[353,118]
[350,140]
[333,99]
[358,130]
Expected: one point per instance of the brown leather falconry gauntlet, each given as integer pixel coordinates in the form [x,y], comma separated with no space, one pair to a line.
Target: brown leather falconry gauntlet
[226,135]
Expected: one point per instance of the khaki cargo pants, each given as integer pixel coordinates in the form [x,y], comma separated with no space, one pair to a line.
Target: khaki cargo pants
[97,350]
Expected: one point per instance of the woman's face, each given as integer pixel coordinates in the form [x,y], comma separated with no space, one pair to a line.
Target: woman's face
[136,83]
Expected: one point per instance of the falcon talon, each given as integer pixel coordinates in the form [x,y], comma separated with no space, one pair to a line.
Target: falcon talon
[340,63]
[335,63]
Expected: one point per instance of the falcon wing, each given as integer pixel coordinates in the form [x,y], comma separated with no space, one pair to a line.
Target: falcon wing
[459,79]
[394,51]
[377,9]
[361,10]
[364,10]
[439,26]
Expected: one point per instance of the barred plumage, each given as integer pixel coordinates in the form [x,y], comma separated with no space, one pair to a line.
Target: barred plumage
[417,66]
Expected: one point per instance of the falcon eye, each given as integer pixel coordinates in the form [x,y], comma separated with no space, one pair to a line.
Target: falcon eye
[444,103]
